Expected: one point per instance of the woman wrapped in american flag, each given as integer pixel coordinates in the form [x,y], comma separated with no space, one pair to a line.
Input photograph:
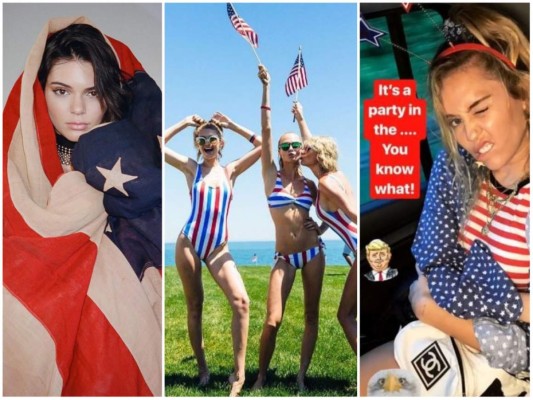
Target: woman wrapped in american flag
[82,220]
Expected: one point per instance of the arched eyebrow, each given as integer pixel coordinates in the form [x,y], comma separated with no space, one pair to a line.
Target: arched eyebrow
[60,84]
[57,83]
[475,103]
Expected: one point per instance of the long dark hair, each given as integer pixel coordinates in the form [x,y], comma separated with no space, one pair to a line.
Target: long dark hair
[84,42]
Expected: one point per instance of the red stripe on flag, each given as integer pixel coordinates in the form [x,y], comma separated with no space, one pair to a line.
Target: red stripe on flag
[102,365]
[50,277]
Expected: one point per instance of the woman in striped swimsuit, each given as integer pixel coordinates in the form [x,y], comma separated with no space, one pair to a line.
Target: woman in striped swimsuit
[205,234]
[289,197]
[472,296]
[336,206]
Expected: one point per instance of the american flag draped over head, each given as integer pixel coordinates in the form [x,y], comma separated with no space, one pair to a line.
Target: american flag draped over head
[297,79]
[242,27]
[81,286]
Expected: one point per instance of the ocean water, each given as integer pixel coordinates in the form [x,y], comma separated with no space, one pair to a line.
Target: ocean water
[243,253]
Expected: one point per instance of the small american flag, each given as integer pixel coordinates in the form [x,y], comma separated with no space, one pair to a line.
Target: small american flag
[297,79]
[242,27]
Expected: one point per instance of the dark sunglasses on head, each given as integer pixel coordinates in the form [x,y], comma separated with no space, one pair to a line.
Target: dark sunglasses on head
[202,140]
[286,146]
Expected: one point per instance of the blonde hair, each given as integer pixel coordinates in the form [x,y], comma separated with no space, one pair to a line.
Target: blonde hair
[377,244]
[212,125]
[503,35]
[326,150]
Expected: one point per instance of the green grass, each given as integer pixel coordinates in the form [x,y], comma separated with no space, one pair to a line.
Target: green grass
[333,368]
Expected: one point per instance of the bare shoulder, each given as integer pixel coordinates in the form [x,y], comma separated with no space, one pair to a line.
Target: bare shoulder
[334,182]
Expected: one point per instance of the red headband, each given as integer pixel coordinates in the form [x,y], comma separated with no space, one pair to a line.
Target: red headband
[476,47]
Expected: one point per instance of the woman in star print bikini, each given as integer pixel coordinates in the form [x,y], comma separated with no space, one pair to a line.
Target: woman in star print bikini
[205,235]
[471,248]
[289,196]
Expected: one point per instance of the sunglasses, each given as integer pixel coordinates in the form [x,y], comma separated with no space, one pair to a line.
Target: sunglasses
[202,140]
[287,145]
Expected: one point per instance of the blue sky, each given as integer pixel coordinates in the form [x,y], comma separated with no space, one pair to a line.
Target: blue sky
[209,67]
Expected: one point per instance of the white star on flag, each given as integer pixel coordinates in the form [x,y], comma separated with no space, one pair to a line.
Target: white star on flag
[114,178]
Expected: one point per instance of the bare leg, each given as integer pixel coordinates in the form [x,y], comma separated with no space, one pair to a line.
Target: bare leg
[226,275]
[190,272]
[312,277]
[381,357]
[348,309]
[279,288]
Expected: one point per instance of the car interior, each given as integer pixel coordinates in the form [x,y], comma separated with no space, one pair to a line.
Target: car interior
[411,39]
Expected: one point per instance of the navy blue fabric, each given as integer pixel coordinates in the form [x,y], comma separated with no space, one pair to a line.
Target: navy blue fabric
[134,221]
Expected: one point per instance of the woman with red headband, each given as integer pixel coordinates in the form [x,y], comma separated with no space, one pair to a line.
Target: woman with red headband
[471,248]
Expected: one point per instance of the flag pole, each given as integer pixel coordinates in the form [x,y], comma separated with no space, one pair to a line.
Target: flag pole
[245,38]
[255,52]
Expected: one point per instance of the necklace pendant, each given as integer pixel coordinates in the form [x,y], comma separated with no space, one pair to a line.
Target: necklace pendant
[485,230]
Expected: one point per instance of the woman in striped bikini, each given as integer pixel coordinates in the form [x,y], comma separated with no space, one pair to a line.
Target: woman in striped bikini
[289,196]
[336,206]
[472,296]
[205,234]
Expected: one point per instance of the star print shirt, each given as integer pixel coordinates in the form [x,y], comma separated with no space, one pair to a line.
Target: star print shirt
[468,283]
[123,160]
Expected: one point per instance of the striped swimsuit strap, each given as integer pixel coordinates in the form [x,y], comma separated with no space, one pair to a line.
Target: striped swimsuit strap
[280,198]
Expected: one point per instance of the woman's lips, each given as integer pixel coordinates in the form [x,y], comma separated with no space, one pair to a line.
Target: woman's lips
[483,150]
[78,126]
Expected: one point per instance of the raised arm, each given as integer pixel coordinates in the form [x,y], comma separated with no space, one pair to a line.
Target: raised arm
[268,166]
[298,112]
[179,161]
[237,167]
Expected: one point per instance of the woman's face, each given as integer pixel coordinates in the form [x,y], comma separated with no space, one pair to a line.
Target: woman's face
[309,156]
[486,120]
[209,143]
[293,145]
[73,104]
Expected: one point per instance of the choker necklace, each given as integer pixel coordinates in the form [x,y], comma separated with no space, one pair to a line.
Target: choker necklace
[497,203]
[64,149]
[504,190]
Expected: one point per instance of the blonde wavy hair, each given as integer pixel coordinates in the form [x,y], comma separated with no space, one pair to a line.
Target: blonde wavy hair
[326,150]
[500,33]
